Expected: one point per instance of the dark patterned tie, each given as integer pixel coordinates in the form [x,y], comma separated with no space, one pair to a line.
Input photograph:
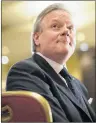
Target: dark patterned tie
[64,73]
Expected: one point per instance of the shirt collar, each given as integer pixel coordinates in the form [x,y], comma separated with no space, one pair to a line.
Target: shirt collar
[56,66]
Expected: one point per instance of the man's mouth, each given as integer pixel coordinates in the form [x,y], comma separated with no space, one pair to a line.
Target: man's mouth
[65,41]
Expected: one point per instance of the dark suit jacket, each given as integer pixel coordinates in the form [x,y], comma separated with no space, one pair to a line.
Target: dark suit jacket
[36,75]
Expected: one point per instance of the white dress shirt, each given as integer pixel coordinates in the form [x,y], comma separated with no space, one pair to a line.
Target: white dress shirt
[56,66]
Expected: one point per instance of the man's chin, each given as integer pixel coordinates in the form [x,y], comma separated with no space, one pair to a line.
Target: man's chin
[64,50]
[65,53]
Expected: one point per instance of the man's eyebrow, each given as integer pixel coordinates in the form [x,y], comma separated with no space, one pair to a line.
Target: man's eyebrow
[70,23]
[55,20]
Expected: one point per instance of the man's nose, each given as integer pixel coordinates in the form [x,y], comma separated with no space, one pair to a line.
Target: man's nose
[65,31]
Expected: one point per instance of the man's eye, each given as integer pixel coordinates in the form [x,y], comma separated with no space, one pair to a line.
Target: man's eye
[70,27]
[55,26]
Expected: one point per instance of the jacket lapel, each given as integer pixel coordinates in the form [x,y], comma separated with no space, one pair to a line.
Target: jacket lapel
[54,77]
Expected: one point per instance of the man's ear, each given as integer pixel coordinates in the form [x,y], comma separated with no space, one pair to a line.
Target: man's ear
[36,38]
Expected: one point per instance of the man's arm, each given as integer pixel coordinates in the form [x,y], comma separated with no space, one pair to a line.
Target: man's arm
[20,78]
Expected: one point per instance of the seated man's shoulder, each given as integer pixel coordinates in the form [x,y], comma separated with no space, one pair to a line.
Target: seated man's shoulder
[26,65]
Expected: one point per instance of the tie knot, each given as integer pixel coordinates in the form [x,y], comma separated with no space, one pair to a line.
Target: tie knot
[64,73]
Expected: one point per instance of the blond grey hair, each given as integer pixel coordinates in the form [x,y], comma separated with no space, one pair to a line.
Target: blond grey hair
[37,27]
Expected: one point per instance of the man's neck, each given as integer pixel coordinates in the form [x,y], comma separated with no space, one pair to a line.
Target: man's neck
[56,66]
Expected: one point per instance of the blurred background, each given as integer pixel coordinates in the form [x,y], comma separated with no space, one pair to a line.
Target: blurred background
[17,22]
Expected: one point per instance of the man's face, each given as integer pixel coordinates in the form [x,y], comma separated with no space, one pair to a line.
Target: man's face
[57,38]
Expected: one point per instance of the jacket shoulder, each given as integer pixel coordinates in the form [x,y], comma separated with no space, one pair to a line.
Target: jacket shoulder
[28,65]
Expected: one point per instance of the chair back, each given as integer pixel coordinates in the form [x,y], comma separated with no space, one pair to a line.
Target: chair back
[25,106]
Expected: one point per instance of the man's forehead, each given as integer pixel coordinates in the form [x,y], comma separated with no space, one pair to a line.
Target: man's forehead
[57,15]
[58,12]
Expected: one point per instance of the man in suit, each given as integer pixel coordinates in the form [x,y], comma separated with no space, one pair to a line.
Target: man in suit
[46,73]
